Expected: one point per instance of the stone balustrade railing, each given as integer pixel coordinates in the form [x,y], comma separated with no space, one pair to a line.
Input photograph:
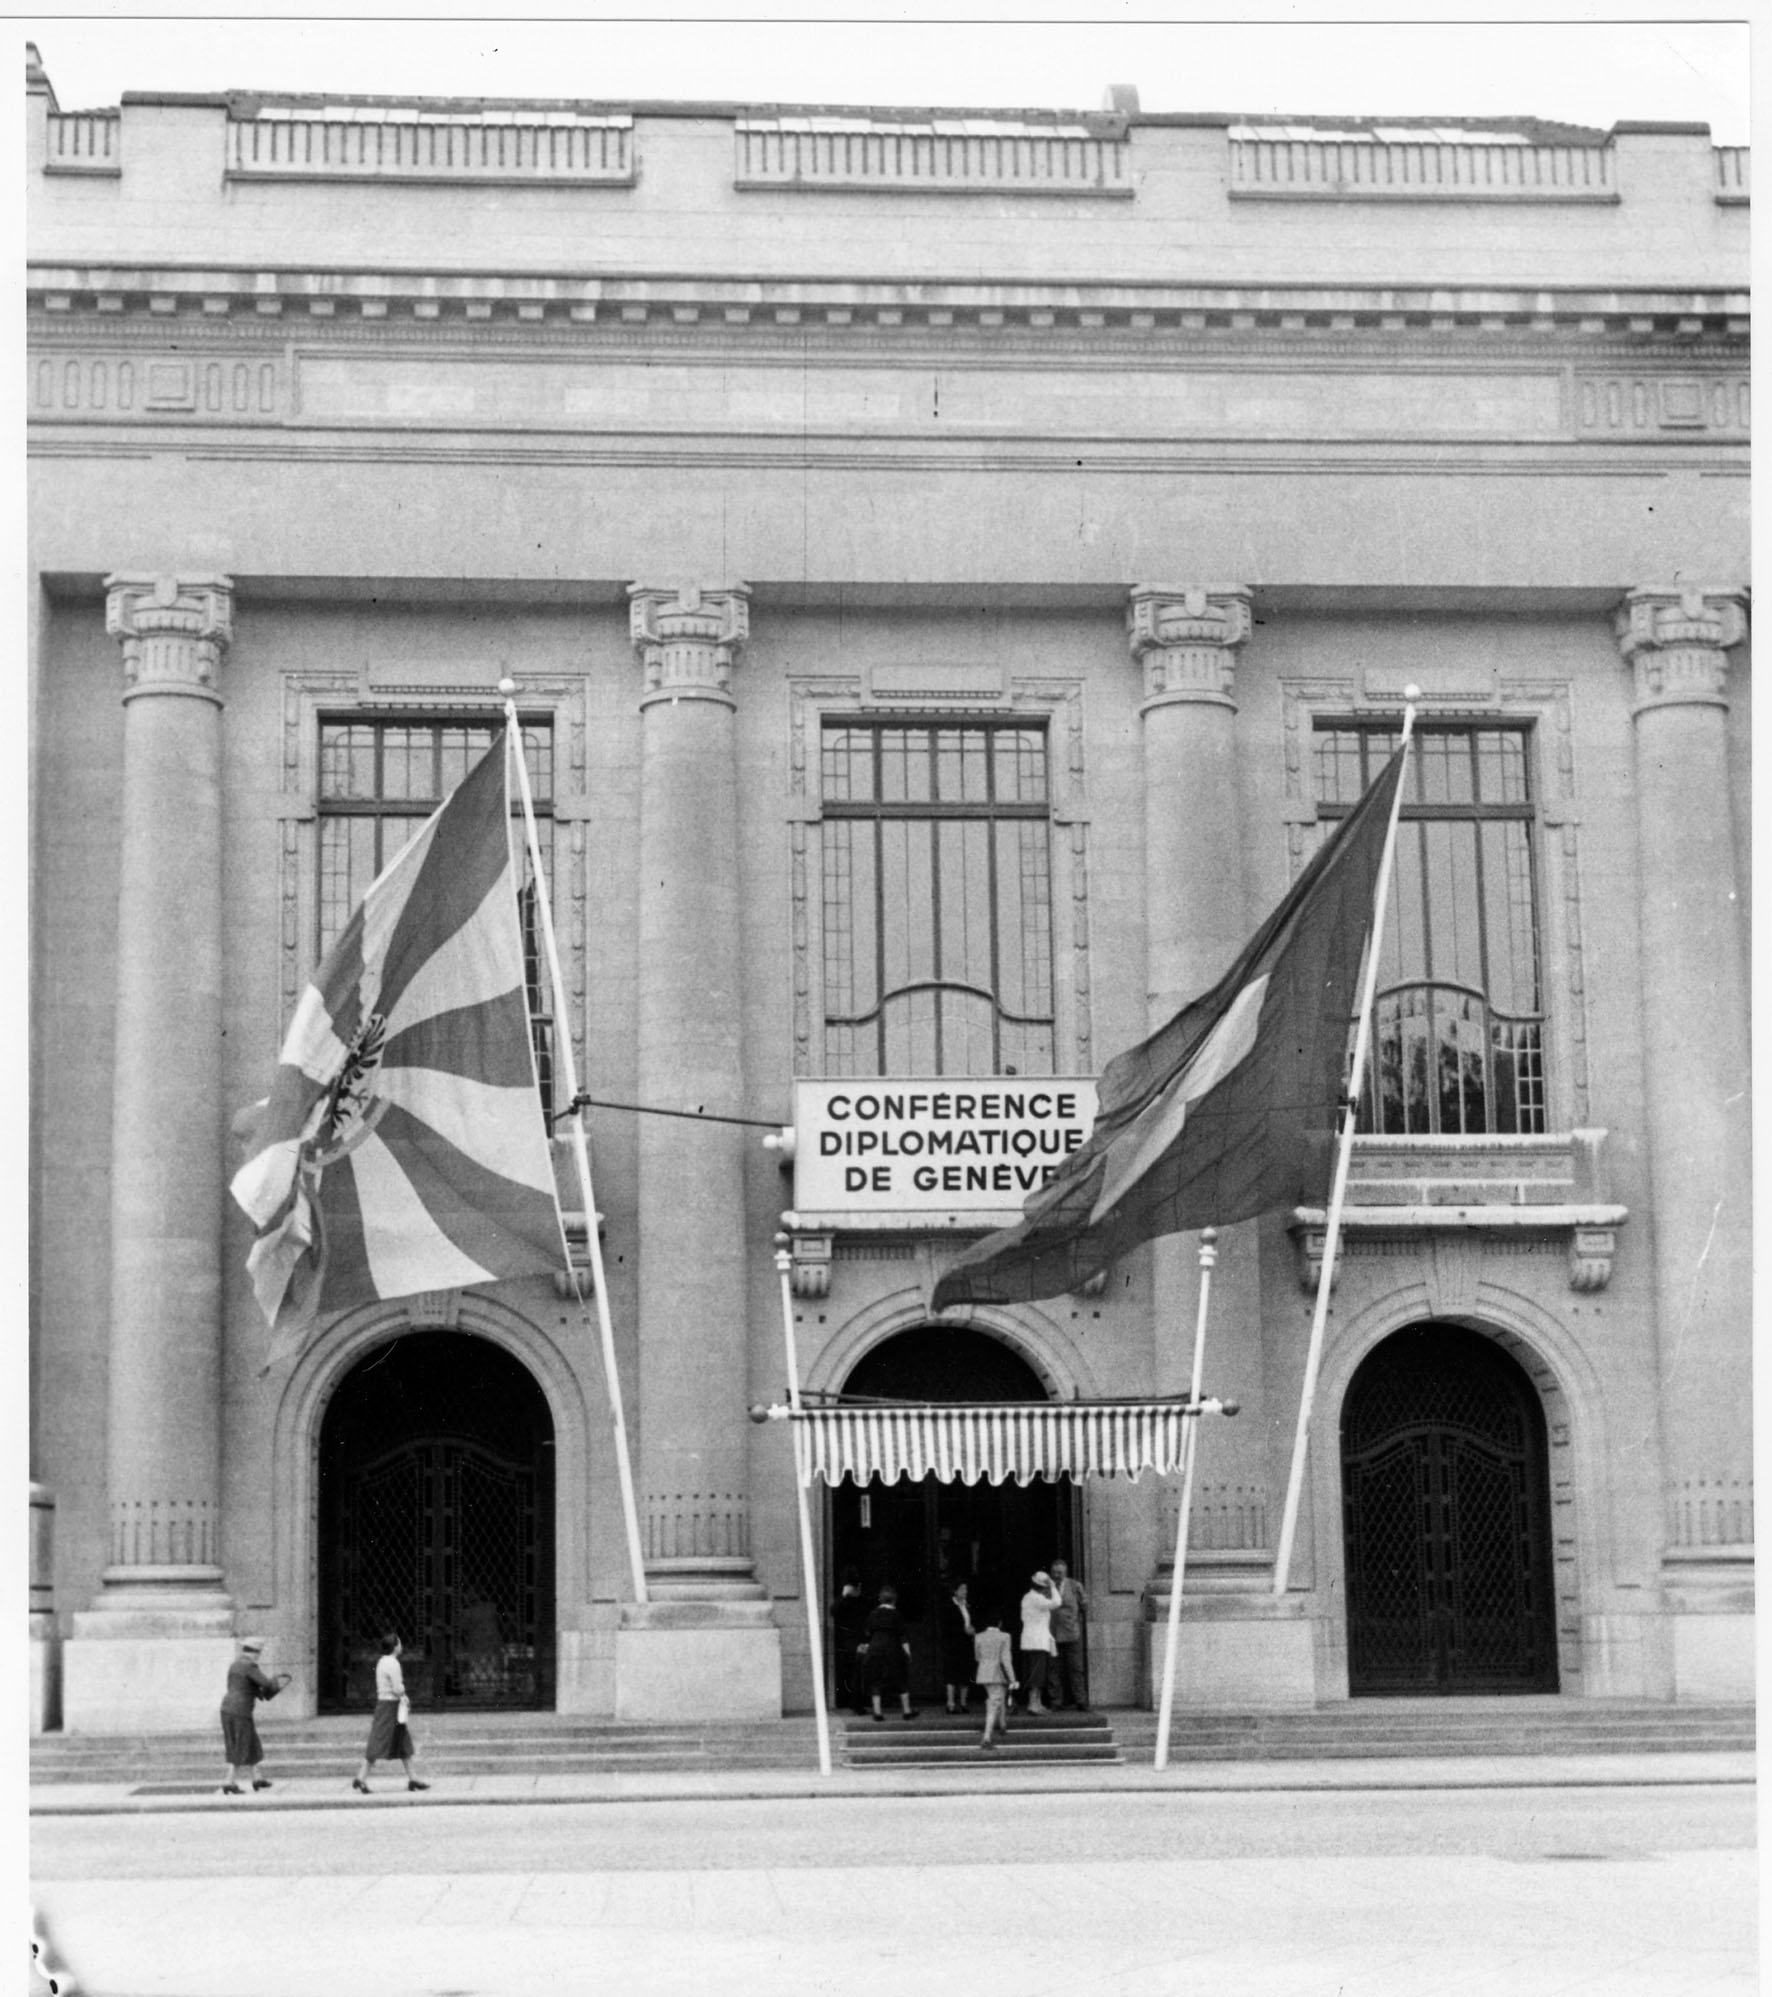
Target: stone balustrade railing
[1356,169]
[84,142]
[1734,172]
[576,151]
[940,156]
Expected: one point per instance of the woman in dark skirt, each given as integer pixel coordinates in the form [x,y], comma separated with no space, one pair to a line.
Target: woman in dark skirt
[247,1684]
[388,1737]
[886,1666]
[958,1663]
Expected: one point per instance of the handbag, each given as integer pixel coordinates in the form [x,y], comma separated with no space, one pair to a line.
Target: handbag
[403,1711]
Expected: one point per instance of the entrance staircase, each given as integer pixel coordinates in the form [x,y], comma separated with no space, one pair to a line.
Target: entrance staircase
[950,1740]
[490,1743]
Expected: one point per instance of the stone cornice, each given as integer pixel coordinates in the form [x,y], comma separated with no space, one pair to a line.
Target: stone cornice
[519,299]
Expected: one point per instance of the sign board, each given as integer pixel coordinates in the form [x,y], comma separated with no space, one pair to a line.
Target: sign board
[934,1145]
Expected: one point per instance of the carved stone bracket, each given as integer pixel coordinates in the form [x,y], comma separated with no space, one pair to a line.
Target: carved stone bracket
[1677,641]
[1452,1239]
[687,638]
[173,630]
[811,1273]
[578,1283]
[1186,639]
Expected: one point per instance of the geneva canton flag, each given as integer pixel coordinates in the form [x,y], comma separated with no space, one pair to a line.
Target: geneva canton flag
[402,1147]
[1228,1111]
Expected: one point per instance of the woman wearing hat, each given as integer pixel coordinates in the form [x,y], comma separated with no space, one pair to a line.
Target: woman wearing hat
[1037,1644]
[247,1684]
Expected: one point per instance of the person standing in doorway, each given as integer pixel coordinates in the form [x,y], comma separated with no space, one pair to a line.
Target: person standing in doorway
[1037,1646]
[388,1735]
[995,1672]
[849,1642]
[888,1660]
[247,1684]
[957,1660]
[1070,1671]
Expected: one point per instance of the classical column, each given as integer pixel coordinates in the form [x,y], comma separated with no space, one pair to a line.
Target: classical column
[1185,641]
[1675,642]
[706,1641]
[145,1653]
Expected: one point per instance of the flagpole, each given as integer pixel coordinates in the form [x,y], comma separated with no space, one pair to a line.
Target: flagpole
[580,1150]
[1190,1446]
[1338,1187]
[784,1262]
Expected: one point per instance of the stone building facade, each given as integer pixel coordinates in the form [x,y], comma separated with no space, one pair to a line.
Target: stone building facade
[954,567]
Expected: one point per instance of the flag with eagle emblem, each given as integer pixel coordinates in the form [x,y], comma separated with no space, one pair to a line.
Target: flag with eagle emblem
[402,1147]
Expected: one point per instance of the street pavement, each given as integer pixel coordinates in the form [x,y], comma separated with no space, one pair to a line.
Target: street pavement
[1315,1887]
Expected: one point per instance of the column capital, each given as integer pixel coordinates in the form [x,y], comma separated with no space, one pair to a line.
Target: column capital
[687,637]
[173,629]
[1676,639]
[1186,639]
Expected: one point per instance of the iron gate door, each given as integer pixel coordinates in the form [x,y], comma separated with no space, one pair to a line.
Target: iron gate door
[440,1540]
[1447,1519]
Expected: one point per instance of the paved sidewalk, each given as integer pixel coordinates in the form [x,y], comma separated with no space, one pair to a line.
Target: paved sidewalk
[332,1792]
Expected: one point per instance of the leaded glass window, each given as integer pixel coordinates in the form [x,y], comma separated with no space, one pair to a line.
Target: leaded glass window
[937,899]
[1458,1026]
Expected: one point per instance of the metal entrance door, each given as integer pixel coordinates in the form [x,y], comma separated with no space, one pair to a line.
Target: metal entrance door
[1446,1511]
[437,1501]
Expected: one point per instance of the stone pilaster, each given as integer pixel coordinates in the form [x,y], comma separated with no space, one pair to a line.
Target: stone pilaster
[706,1641]
[1675,642]
[145,1651]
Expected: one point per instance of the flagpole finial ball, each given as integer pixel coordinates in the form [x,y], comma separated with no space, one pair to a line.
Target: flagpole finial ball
[1411,691]
[507,686]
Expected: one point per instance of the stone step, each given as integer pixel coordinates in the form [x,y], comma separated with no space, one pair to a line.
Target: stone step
[946,1740]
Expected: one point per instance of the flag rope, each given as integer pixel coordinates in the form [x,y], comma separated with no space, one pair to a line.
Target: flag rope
[1178,1566]
[580,1151]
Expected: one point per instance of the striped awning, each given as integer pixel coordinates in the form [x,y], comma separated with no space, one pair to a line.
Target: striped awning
[989,1444]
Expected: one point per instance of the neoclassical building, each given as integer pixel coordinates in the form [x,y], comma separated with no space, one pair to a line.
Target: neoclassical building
[954,567]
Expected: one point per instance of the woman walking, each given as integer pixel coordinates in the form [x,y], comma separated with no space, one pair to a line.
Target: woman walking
[247,1684]
[388,1737]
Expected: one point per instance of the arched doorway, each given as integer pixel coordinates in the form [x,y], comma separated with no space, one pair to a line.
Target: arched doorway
[1446,1512]
[437,1520]
[924,1536]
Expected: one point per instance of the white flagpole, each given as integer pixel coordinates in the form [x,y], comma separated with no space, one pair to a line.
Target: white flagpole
[1190,1448]
[580,1150]
[1338,1188]
[784,1263]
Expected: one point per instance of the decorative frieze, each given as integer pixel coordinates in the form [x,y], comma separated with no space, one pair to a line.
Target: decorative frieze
[1677,639]
[173,631]
[163,1532]
[697,1525]
[1185,638]
[688,638]
[1628,406]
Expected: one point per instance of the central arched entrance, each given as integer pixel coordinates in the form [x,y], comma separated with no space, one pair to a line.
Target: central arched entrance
[437,1520]
[924,1536]
[1446,1511]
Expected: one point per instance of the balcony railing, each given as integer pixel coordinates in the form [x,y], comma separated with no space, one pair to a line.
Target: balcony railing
[1445,1063]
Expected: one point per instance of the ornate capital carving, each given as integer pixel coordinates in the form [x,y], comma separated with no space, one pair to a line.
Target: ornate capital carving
[687,638]
[1186,639]
[173,630]
[1676,640]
